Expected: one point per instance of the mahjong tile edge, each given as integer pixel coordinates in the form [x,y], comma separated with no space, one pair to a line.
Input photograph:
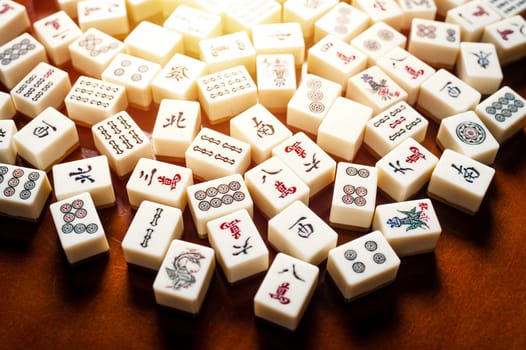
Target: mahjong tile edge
[469,293]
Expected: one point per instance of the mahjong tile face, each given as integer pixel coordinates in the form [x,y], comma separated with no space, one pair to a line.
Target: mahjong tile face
[273,38]
[306,13]
[8,150]
[342,21]
[417,9]
[387,11]
[276,80]
[110,17]
[509,38]
[377,40]
[478,65]
[472,17]
[139,10]
[508,8]
[227,51]
[245,14]
[14,20]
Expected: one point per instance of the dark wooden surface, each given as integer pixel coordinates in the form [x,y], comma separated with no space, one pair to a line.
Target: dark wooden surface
[471,293]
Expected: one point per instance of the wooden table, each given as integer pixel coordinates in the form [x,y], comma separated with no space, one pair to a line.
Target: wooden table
[471,293]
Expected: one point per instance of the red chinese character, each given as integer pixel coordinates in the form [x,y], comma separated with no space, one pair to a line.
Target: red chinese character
[54,23]
[233,227]
[413,158]
[170,182]
[280,293]
[296,148]
[280,186]
[423,206]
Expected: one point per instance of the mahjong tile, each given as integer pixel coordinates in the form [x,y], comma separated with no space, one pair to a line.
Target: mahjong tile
[460,181]
[92,52]
[342,21]
[286,291]
[184,276]
[212,199]
[509,38]
[503,113]
[466,133]
[240,250]
[258,127]
[159,182]
[306,13]
[387,11]
[405,170]
[79,228]
[342,130]
[69,6]
[136,74]
[216,7]
[245,14]
[436,43]
[176,125]
[276,80]
[150,233]
[443,94]
[443,6]
[416,9]
[472,17]
[311,163]
[226,93]
[47,139]
[311,101]
[274,186]
[122,141]
[334,59]
[213,154]
[374,88]
[389,128]
[280,38]
[18,57]
[92,100]
[139,10]
[508,8]
[44,86]
[14,20]
[169,6]
[478,65]
[8,149]
[410,227]
[363,265]
[111,17]
[7,108]
[90,175]
[406,70]
[354,196]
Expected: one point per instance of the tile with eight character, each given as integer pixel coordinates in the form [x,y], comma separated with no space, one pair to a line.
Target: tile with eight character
[276,81]
[242,15]
[478,65]
[240,250]
[14,20]
[416,9]
[306,13]
[280,38]
[386,11]
[7,108]
[342,21]
[8,149]
[509,38]
[472,17]
[110,17]
[227,51]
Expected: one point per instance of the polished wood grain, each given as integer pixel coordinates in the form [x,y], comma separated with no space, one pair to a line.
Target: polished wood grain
[470,293]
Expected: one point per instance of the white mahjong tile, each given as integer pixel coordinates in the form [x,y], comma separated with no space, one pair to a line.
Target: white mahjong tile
[354,196]
[466,133]
[406,70]
[85,175]
[212,199]
[44,86]
[509,38]
[389,128]
[153,42]
[178,79]
[274,186]
[23,192]
[342,130]
[69,6]
[405,170]
[213,154]
[7,108]
[14,20]
[139,10]
[503,113]
[374,88]
[79,228]
[18,57]
[280,38]
[195,25]
[443,94]
[286,291]
[159,182]
[47,139]
[334,59]
[443,6]
[478,65]
[508,8]
[311,101]
[150,233]
[227,51]
[8,149]
[260,129]
[56,32]
[416,9]
[363,265]
[410,227]
[92,100]
[387,11]
[342,21]
[472,17]
[136,74]
[226,93]
[276,80]
[377,40]
[176,125]
[245,14]
[308,160]
[216,7]
[306,13]
[240,250]
[111,17]
[184,276]
[122,141]
[460,181]
[434,42]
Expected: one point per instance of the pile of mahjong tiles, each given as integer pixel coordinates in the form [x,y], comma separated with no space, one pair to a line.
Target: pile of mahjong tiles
[370,74]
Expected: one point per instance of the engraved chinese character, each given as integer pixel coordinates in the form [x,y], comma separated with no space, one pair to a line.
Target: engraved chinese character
[147,177]
[398,168]
[82,175]
[304,230]
[177,73]
[453,91]
[314,164]
[178,120]
[280,293]
[415,156]
[470,174]
[242,249]
[43,131]
[233,226]
[263,129]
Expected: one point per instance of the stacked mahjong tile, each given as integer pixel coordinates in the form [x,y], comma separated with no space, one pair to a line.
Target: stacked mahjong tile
[259,107]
